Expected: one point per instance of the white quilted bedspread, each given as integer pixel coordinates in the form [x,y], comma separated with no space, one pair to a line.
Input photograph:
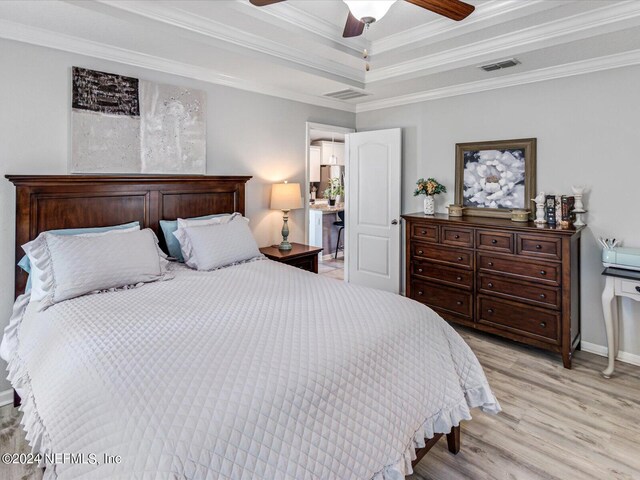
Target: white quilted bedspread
[257,371]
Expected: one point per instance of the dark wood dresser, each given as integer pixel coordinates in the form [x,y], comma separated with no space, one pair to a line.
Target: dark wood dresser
[516,280]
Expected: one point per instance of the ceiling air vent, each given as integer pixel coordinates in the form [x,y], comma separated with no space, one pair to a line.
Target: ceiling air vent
[511,62]
[347,94]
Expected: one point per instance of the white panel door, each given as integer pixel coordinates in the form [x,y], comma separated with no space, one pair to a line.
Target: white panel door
[372,208]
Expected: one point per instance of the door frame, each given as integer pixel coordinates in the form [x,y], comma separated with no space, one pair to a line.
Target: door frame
[307,196]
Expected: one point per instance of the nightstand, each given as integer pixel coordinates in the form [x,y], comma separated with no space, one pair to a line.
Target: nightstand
[301,256]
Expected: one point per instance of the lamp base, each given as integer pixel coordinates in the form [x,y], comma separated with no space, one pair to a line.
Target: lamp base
[284,246]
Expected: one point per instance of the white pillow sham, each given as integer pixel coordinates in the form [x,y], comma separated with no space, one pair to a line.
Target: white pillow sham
[36,274]
[208,247]
[71,266]
[198,222]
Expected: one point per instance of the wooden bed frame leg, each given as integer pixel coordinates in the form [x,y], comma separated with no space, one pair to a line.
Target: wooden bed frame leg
[453,440]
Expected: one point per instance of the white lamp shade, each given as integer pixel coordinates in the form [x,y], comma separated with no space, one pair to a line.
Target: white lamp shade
[369,8]
[286,196]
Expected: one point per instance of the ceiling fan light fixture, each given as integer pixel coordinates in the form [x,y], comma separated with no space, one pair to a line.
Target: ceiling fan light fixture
[369,11]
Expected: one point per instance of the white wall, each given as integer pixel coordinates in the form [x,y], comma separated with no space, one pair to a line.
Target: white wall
[247,134]
[587,129]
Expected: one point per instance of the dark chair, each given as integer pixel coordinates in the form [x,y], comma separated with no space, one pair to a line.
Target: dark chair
[339,223]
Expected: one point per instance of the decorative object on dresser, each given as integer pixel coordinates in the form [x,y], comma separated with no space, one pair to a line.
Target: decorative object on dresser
[301,256]
[519,281]
[492,178]
[540,203]
[455,210]
[622,275]
[519,215]
[578,209]
[285,196]
[429,188]
[126,125]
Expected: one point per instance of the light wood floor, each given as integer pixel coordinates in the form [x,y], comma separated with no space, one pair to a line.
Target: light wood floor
[555,424]
[333,268]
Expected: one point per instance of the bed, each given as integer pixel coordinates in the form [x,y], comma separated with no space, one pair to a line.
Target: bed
[259,370]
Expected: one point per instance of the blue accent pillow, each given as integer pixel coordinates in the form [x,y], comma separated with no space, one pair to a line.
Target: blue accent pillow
[170,226]
[25,264]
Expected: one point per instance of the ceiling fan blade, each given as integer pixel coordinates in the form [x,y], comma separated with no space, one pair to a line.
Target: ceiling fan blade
[263,3]
[353,27]
[453,9]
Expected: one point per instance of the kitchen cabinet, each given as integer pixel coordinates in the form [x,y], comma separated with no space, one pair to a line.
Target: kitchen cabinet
[315,157]
[329,148]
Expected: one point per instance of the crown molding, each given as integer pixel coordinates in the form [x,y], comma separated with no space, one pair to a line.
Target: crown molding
[442,26]
[59,41]
[184,20]
[582,67]
[549,34]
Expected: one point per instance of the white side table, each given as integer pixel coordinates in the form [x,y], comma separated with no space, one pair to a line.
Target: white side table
[620,283]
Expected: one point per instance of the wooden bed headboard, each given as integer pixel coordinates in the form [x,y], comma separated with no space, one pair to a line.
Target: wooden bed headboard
[49,202]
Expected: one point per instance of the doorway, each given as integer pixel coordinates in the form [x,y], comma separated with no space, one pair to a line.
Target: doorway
[324,196]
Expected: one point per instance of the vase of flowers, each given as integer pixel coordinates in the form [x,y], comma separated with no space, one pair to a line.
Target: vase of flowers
[429,188]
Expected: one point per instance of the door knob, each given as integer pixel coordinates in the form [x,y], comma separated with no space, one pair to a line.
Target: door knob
[394,222]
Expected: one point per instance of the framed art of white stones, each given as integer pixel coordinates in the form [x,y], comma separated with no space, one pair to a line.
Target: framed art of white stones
[492,178]
[125,125]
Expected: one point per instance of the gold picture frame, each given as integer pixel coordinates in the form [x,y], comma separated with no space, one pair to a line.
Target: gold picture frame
[502,161]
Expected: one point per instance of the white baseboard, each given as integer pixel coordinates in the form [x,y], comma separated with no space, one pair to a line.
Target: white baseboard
[6,397]
[625,357]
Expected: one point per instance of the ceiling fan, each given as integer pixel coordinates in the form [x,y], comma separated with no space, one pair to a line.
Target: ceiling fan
[363,13]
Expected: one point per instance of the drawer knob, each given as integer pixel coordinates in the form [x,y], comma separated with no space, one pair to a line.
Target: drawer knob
[490,285]
[423,232]
[543,272]
[459,302]
[538,247]
[420,252]
[494,241]
[489,310]
[419,270]
[459,259]
[543,324]
[456,236]
[638,289]
[491,264]
[542,295]
[420,293]
[460,279]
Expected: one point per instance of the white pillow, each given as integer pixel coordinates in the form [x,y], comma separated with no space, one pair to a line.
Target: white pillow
[36,274]
[74,265]
[207,247]
[198,222]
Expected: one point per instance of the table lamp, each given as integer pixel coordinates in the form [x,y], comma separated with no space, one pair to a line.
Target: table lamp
[285,196]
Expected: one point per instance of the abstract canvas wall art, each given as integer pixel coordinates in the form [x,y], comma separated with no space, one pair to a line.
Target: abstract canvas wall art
[125,125]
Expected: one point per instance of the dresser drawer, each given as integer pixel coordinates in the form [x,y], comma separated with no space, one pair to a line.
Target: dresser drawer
[538,246]
[442,273]
[548,273]
[457,237]
[518,318]
[536,294]
[426,233]
[450,256]
[444,298]
[494,241]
